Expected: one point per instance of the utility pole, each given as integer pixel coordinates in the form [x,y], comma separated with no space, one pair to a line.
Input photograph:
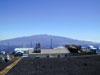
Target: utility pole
[24,45]
[8,48]
[51,43]
[31,44]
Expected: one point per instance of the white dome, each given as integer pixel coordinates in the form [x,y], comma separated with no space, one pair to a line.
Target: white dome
[60,47]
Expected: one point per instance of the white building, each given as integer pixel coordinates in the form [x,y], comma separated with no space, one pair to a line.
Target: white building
[23,50]
[3,52]
[90,48]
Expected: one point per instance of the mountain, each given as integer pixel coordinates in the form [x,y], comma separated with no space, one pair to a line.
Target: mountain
[44,40]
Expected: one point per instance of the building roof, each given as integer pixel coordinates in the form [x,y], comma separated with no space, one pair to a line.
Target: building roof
[53,51]
[25,49]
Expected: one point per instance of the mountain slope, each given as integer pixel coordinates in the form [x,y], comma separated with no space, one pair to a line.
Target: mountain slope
[45,41]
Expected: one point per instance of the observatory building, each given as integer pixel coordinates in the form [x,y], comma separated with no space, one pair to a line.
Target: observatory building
[51,53]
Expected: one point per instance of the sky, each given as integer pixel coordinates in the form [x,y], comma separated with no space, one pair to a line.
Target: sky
[77,19]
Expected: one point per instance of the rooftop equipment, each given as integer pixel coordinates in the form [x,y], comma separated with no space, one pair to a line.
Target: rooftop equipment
[37,48]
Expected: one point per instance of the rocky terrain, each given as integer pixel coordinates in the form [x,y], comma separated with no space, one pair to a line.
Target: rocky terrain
[83,65]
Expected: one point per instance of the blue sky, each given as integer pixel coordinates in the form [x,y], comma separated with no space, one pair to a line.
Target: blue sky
[78,19]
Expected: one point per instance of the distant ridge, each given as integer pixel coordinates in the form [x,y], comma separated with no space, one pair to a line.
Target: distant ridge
[45,41]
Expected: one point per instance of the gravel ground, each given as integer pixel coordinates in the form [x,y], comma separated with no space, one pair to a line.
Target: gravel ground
[5,64]
[84,65]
